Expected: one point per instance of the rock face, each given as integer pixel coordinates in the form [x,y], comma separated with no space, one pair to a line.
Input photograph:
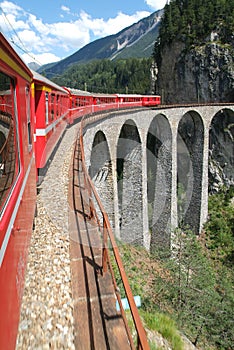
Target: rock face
[203,74]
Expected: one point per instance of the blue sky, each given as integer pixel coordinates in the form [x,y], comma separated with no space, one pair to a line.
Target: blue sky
[49,30]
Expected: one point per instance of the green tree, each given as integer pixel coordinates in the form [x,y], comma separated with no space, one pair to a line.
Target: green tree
[199,295]
[109,76]
[220,226]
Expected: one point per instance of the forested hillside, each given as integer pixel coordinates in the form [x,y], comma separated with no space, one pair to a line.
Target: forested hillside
[193,21]
[121,76]
[194,52]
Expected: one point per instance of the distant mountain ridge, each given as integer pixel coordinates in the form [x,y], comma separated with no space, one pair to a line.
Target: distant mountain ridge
[135,41]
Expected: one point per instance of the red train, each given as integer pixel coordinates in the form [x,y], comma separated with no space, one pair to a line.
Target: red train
[34,113]
[17,186]
[83,102]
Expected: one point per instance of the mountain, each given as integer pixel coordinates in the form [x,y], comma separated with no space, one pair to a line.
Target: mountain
[136,41]
[33,65]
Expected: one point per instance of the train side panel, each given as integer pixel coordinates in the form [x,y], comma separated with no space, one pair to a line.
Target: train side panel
[80,103]
[51,112]
[151,100]
[128,101]
[17,187]
[104,102]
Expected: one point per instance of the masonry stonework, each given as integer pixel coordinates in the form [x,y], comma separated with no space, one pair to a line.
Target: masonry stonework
[148,154]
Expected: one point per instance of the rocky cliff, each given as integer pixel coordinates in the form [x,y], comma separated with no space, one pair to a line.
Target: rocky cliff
[201,74]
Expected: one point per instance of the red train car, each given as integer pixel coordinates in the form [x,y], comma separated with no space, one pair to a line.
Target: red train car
[17,187]
[127,100]
[51,107]
[81,103]
[151,100]
[103,102]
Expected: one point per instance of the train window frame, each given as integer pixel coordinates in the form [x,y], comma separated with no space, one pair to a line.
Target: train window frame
[57,105]
[28,114]
[46,107]
[5,198]
[52,98]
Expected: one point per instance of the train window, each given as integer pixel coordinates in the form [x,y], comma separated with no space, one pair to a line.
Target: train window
[47,108]
[52,106]
[9,143]
[57,105]
[28,109]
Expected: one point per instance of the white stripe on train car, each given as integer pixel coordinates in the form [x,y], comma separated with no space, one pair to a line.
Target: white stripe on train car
[44,132]
[15,211]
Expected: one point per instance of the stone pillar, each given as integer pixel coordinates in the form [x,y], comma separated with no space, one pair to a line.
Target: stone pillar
[205,179]
[131,205]
[146,233]
[113,153]
[190,145]
[174,215]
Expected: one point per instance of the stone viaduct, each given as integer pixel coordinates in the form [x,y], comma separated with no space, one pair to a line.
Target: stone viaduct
[150,168]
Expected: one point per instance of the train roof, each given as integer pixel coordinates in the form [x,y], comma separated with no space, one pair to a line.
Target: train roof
[103,95]
[128,95]
[41,79]
[78,92]
[86,93]
[11,58]
[135,95]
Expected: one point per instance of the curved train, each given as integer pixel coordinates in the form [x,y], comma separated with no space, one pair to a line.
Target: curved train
[34,114]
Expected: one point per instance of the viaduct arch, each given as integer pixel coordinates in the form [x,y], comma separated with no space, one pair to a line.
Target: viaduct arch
[150,167]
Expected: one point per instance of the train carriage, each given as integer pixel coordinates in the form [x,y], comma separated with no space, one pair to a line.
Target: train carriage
[151,100]
[81,103]
[17,186]
[104,102]
[51,106]
[128,100]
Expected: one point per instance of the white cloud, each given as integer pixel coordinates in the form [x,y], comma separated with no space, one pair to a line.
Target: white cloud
[50,40]
[102,28]
[7,22]
[65,9]
[10,8]
[38,25]
[12,21]
[30,40]
[9,17]
[156,4]
[69,35]
[42,58]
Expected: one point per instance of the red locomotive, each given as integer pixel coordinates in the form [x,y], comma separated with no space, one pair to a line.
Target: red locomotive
[34,113]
